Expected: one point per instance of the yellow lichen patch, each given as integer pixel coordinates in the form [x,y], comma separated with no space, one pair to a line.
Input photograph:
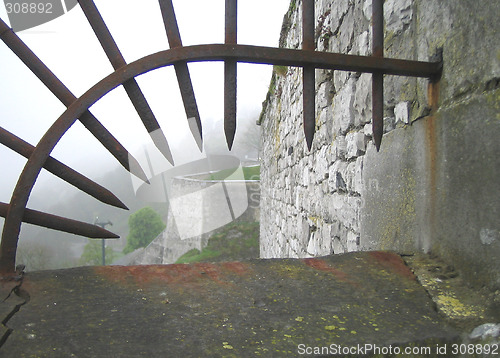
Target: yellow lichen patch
[453,299]
[316,220]
[299,319]
[226,345]
[289,269]
[493,99]
[453,308]
[402,210]
[330,328]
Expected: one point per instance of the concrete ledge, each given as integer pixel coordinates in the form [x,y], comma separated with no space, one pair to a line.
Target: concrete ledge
[266,308]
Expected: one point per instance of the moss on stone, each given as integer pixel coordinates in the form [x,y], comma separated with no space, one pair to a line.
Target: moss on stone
[280,70]
[493,99]
[456,309]
[236,241]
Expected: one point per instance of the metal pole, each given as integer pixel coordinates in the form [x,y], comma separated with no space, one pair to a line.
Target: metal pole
[103,248]
[103,253]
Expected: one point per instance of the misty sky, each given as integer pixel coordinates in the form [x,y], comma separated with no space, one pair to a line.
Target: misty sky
[69,48]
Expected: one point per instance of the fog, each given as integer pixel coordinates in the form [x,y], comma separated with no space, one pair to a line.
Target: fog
[69,48]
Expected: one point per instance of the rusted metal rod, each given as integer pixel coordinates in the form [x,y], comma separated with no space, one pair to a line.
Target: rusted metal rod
[377,77]
[66,97]
[182,72]
[62,224]
[285,57]
[131,86]
[308,75]
[230,73]
[62,171]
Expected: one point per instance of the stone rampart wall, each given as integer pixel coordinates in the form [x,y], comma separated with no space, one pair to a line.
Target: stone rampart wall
[434,185]
[198,209]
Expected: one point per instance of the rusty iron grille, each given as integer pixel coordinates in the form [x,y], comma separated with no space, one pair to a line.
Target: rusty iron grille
[177,56]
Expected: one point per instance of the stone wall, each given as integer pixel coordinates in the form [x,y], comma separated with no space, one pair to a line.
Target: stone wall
[434,184]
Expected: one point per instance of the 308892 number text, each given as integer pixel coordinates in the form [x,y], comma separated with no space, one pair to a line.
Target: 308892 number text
[28,8]
[466,349]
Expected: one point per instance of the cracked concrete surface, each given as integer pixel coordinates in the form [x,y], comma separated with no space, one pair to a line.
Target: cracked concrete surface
[14,298]
[253,308]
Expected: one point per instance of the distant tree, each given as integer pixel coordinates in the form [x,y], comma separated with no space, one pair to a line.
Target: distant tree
[144,226]
[35,255]
[92,254]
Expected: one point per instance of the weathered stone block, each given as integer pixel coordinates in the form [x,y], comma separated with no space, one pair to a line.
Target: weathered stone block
[337,13]
[356,144]
[325,95]
[402,112]
[358,175]
[321,165]
[352,241]
[367,9]
[362,44]
[337,246]
[368,130]
[397,14]
[336,181]
[389,124]
[343,115]
[339,147]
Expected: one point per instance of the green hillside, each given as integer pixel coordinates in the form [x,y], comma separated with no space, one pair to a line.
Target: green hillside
[236,242]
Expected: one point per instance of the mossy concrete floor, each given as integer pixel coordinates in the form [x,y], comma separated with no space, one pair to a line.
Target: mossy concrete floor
[270,308]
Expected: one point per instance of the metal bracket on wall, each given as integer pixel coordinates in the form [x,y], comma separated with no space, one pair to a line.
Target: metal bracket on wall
[178,56]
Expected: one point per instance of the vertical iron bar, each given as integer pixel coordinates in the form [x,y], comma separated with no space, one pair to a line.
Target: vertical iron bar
[377,78]
[131,86]
[182,72]
[308,75]
[62,93]
[230,74]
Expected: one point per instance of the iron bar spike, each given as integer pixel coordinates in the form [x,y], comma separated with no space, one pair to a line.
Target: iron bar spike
[62,171]
[182,72]
[230,73]
[131,86]
[377,77]
[62,224]
[66,97]
[308,75]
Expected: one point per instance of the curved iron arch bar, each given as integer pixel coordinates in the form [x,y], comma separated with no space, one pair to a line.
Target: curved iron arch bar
[197,53]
